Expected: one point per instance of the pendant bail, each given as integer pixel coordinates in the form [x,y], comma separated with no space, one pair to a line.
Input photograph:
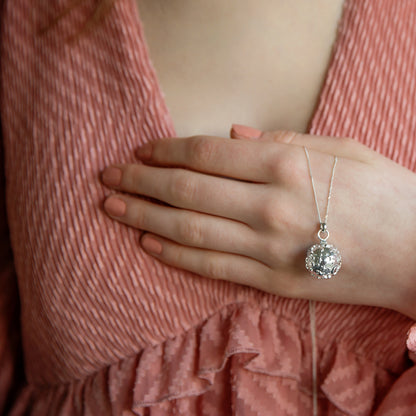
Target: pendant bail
[323,230]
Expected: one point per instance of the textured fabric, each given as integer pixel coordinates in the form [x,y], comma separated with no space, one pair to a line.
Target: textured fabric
[106,329]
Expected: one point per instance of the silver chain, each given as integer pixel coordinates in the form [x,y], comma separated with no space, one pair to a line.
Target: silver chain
[312,302]
[323,224]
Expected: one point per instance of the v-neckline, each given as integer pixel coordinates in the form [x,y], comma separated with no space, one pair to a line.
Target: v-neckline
[162,96]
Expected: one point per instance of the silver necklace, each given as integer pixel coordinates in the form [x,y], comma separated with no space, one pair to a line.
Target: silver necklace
[323,260]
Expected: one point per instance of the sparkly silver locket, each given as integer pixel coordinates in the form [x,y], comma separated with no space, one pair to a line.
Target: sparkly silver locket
[323,260]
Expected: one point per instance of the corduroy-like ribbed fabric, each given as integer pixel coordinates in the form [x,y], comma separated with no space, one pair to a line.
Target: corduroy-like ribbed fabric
[108,330]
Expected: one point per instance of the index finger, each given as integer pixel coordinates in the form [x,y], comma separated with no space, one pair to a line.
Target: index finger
[238,159]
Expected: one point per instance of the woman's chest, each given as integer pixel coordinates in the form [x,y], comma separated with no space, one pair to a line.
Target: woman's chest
[260,63]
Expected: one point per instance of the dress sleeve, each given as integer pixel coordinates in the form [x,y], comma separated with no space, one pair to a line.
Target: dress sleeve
[11,361]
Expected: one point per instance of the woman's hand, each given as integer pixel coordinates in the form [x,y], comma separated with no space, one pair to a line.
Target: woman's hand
[244,211]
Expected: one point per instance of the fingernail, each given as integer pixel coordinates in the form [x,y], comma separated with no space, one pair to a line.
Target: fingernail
[151,244]
[144,152]
[115,206]
[111,176]
[246,131]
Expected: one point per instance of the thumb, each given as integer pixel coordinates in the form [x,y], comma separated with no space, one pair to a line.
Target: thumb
[340,146]
[239,131]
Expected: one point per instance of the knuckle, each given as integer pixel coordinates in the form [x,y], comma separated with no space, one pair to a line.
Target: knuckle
[181,255]
[138,219]
[190,232]
[183,188]
[275,168]
[273,250]
[214,268]
[286,167]
[270,214]
[202,150]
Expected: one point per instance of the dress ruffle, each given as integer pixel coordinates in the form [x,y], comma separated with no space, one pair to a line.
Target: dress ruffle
[250,349]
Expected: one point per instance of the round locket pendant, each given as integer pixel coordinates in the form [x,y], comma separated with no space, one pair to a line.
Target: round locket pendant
[323,260]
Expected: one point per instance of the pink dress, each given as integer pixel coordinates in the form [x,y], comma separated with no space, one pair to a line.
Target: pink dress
[107,330]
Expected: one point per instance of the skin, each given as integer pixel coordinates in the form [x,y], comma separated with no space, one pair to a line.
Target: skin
[261,62]
[243,210]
